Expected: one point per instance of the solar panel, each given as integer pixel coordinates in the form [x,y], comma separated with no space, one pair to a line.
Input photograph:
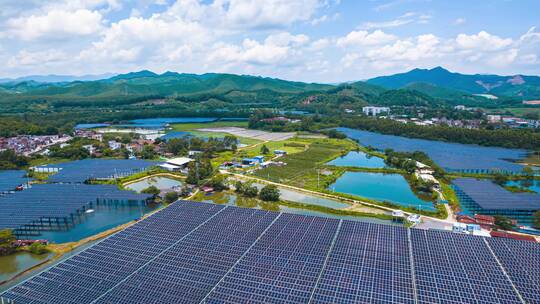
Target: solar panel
[204,253]
[490,196]
[280,274]
[82,170]
[10,179]
[369,264]
[450,156]
[46,201]
[457,268]
[521,260]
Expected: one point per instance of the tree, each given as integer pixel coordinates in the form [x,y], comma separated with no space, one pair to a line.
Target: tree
[199,169]
[536,220]
[148,152]
[38,248]
[264,149]
[6,242]
[500,179]
[170,197]
[269,193]
[502,222]
[151,190]
[218,182]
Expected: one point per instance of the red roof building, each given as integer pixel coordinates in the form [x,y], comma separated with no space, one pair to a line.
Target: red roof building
[515,236]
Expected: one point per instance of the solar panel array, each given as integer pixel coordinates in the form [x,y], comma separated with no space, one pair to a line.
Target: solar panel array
[490,196]
[82,170]
[56,201]
[450,156]
[204,253]
[10,179]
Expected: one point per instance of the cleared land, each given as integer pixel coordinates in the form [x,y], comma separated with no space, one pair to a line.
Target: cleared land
[254,134]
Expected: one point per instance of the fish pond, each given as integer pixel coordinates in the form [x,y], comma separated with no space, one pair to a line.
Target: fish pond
[358,159]
[160,182]
[103,218]
[450,156]
[232,199]
[13,264]
[534,185]
[380,187]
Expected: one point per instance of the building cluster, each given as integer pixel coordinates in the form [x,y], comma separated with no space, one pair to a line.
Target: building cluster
[30,144]
[512,122]
[479,224]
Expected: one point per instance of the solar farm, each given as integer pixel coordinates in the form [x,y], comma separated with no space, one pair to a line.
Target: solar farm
[48,206]
[204,253]
[484,196]
[82,170]
[10,179]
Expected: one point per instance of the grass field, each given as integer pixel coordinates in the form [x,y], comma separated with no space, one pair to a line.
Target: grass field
[192,127]
[304,169]
[523,111]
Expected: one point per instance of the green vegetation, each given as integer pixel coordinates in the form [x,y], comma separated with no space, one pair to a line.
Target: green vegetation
[328,210]
[504,223]
[6,240]
[38,248]
[307,169]
[199,170]
[509,138]
[269,193]
[536,220]
[151,190]
[264,150]
[10,160]
[170,197]
[187,127]
[450,196]
[246,189]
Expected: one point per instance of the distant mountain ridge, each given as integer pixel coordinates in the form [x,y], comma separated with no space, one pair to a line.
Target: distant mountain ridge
[57,78]
[526,87]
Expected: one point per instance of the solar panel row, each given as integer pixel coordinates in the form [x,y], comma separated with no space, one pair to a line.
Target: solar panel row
[10,179]
[82,170]
[56,201]
[204,253]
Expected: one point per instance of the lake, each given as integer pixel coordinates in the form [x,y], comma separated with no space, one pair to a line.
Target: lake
[92,125]
[12,265]
[160,182]
[381,187]
[450,156]
[103,218]
[358,159]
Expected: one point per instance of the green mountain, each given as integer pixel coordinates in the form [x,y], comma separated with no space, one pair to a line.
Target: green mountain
[146,83]
[518,86]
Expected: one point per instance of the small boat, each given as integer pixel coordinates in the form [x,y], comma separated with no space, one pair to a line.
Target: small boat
[89,211]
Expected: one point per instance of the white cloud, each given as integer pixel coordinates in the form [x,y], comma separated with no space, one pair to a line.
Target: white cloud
[407,18]
[56,24]
[482,41]
[364,38]
[324,18]
[460,21]
[27,58]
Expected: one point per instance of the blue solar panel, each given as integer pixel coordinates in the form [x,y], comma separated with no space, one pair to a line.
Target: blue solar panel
[450,156]
[82,170]
[369,264]
[10,179]
[204,253]
[521,260]
[280,274]
[456,268]
[56,201]
[490,196]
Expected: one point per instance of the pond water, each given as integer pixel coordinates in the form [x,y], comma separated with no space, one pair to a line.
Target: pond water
[535,185]
[450,156]
[13,264]
[162,122]
[91,125]
[175,134]
[103,218]
[358,159]
[381,187]
[160,182]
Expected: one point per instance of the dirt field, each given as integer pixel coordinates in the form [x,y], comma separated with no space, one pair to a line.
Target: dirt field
[255,134]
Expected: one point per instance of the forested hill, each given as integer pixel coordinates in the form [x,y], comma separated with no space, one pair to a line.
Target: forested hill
[440,79]
[146,83]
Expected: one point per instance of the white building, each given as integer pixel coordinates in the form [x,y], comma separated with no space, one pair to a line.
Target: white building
[374,111]
[460,107]
[176,164]
[114,145]
[494,118]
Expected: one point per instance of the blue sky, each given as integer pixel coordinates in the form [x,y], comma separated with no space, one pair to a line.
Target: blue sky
[307,40]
